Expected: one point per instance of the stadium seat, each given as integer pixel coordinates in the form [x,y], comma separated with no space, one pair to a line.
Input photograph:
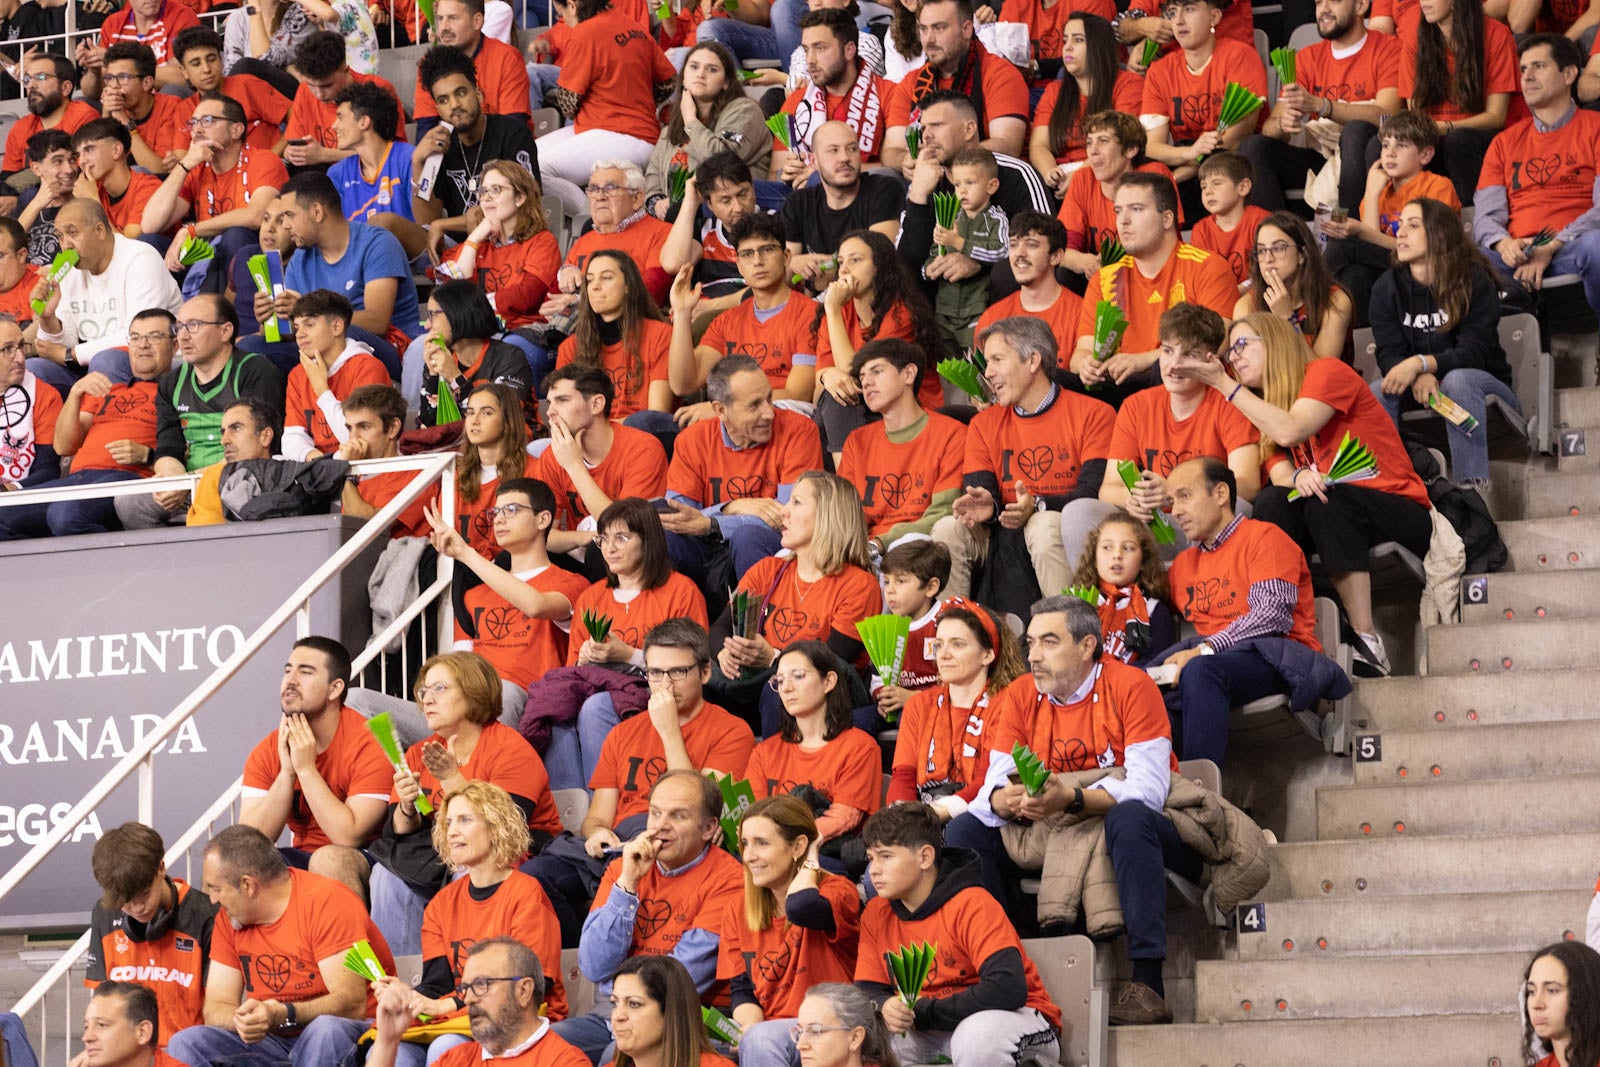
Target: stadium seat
[572,805]
[580,991]
[546,120]
[408,969]
[1066,966]
[1304,36]
[398,66]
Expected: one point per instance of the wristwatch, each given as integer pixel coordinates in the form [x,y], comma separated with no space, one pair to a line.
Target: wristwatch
[290,1018]
[1074,805]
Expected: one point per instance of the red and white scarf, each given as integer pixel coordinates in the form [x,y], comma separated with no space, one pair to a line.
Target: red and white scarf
[863,113]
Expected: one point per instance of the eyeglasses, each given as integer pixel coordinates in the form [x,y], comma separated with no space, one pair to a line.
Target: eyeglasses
[13,350]
[39,79]
[814,1031]
[435,690]
[207,121]
[750,255]
[121,79]
[149,338]
[510,511]
[479,987]
[621,539]
[434,313]
[661,674]
[794,677]
[1273,251]
[955,644]
[493,190]
[1239,346]
[609,189]
[193,325]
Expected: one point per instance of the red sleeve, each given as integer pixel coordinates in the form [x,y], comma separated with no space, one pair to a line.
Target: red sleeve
[337,920]
[1144,714]
[541,260]
[646,474]
[567,352]
[1126,433]
[686,472]
[1493,171]
[870,966]
[1005,94]
[509,79]
[1217,289]
[303,121]
[730,753]
[730,958]
[1500,59]
[1047,104]
[607,880]
[47,408]
[269,105]
[803,451]
[1338,391]
[755,769]
[859,597]
[1234,429]
[273,173]
[579,65]
[1127,95]
[1408,60]
[297,400]
[261,766]
[899,105]
[1157,98]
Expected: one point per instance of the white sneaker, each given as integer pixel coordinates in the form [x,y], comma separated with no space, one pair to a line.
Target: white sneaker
[1372,656]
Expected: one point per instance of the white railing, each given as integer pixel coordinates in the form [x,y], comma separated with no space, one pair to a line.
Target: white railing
[431,469]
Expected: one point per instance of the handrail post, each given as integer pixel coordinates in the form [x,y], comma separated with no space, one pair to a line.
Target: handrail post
[147,790]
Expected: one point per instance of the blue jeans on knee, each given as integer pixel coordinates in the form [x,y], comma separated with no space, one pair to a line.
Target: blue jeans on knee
[743,40]
[1580,257]
[66,517]
[326,1039]
[967,831]
[52,374]
[397,911]
[1471,388]
[1143,845]
[749,541]
[767,1043]
[285,355]
[591,1032]
[575,748]
[1207,690]
[785,16]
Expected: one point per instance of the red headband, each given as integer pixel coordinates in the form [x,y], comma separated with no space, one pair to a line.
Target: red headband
[977,610]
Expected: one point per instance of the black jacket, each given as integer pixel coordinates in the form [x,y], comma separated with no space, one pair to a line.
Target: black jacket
[1406,322]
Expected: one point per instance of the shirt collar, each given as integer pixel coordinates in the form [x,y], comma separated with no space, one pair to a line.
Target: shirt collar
[667,872]
[510,1053]
[1227,532]
[1572,109]
[1082,692]
[1049,398]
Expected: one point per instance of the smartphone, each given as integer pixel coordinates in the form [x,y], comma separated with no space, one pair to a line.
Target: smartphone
[300,142]
[663,505]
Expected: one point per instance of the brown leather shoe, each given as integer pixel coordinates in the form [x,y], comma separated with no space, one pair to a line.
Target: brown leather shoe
[1136,1004]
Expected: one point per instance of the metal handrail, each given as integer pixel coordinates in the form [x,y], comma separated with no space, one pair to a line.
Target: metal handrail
[430,468]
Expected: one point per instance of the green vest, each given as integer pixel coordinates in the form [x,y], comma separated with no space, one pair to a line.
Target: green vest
[202,430]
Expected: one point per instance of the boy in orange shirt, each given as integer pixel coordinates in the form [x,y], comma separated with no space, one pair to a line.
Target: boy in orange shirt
[331,368]
[1230,229]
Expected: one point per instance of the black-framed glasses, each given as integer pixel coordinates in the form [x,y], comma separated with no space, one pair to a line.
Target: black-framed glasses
[510,511]
[194,325]
[13,350]
[207,121]
[121,79]
[661,674]
[479,987]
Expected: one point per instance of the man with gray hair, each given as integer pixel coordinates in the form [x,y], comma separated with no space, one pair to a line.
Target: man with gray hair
[502,985]
[616,207]
[730,476]
[1037,448]
[1078,711]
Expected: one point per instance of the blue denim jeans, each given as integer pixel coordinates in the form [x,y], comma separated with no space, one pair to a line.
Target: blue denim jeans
[66,517]
[1580,257]
[326,1039]
[744,40]
[1469,387]
[575,749]
[785,16]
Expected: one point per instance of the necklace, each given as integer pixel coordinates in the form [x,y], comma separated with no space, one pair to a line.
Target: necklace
[472,168]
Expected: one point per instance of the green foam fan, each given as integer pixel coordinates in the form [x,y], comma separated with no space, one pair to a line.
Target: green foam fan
[1160,528]
[1109,326]
[1238,104]
[678,182]
[719,1026]
[737,796]
[1147,55]
[966,375]
[196,250]
[363,961]
[598,625]
[782,127]
[886,636]
[65,260]
[1030,768]
[382,727]
[1353,462]
[1283,60]
[1088,594]
[914,139]
[910,966]
[1111,251]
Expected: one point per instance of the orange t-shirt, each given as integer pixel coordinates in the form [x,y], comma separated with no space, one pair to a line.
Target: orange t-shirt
[521,648]
[379,489]
[1089,214]
[313,119]
[632,757]
[1192,101]
[613,66]
[502,271]
[1045,451]
[833,603]
[940,742]
[849,769]
[353,766]
[503,758]
[264,109]
[128,209]
[502,75]
[1190,275]
[1356,412]
[693,900]
[968,928]
[1212,589]
[1548,177]
[75,115]
[128,412]
[548,1051]
[1005,94]
[1148,433]
[280,960]
[784,961]
[706,470]
[1236,245]
[1424,184]
[679,598]
[1126,95]
[473,521]
[779,343]
[633,385]
[300,404]
[896,324]
[635,466]
[15,299]
[455,921]
[211,194]
[160,129]
[897,481]
[1375,67]
[1500,74]
[1123,709]
[1045,24]
[170,21]
[1061,316]
[640,242]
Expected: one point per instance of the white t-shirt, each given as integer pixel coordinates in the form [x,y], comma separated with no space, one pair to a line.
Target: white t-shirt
[95,309]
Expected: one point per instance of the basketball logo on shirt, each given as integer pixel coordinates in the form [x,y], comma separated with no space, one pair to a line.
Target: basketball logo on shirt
[653,768]
[1203,596]
[1194,111]
[651,917]
[1166,461]
[738,487]
[1035,462]
[774,965]
[459,950]
[1070,754]
[273,971]
[483,526]
[120,404]
[787,624]
[895,487]
[498,623]
[1539,170]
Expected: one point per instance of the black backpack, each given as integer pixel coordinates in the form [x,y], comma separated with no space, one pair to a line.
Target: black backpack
[1467,512]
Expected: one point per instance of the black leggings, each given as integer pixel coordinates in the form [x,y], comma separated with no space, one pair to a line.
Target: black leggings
[1344,530]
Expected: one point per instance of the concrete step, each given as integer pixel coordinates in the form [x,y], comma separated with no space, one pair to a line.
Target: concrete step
[1538,805]
[1454,1040]
[1553,544]
[1492,647]
[1533,598]
[1420,925]
[1578,407]
[1561,493]
[1409,866]
[1473,752]
[1267,991]
[1488,699]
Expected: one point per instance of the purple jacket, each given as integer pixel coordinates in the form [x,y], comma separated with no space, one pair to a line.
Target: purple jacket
[555,699]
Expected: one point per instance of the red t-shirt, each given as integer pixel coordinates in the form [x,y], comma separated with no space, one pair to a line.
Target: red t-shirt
[632,384]
[128,209]
[1356,78]
[127,413]
[1236,245]
[849,769]
[280,960]
[1123,709]
[896,324]
[1356,412]
[1192,101]
[832,603]
[454,921]
[172,20]
[613,66]
[473,521]
[632,757]
[1005,94]
[1046,24]
[940,742]
[1190,275]
[640,242]
[1046,451]
[784,961]
[521,648]
[1148,433]
[503,758]
[300,404]
[1126,95]
[679,598]
[1212,589]
[162,127]
[1548,177]
[897,481]
[75,115]
[313,118]
[635,466]
[1089,214]
[1422,184]
[968,928]
[505,271]
[379,489]
[705,469]
[211,194]
[353,766]
[1500,73]
[670,906]
[502,75]
[1061,316]
[779,343]
[548,1051]
[264,107]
